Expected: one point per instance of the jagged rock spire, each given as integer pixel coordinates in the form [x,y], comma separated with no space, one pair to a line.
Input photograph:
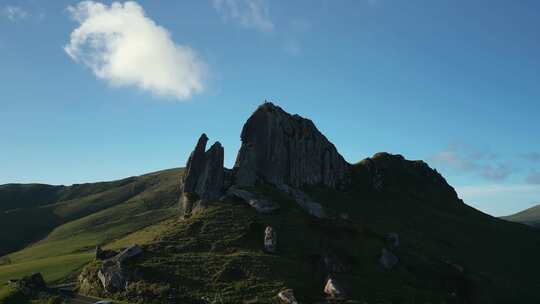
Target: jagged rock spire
[280,148]
[204,176]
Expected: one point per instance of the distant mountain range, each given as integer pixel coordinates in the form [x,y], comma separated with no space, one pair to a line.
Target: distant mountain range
[530,216]
[291,219]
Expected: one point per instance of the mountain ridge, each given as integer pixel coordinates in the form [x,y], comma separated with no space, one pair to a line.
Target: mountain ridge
[385,229]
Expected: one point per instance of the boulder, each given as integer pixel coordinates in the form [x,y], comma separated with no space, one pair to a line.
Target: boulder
[388,260]
[262,205]
[204,176]
[280,148]
[287,296]
[270,240]
[333,290]
[302,199]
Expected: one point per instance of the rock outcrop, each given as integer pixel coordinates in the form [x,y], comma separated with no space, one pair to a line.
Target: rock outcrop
[302,199]
[112,276]
[279,148]
[262,205]
[204,176]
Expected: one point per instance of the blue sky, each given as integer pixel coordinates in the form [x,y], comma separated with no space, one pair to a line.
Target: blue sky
[93,91]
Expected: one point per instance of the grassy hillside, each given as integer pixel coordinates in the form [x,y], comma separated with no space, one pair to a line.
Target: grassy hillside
[96,218]
[529,216]
[217,254]
[449,253]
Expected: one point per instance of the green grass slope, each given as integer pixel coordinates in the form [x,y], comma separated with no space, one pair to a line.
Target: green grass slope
[93,219]
[217,255]
[530,216]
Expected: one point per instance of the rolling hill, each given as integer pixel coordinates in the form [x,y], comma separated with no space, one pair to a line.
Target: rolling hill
[59,227]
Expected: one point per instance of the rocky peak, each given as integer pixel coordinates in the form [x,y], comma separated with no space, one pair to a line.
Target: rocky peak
[204,176]
[395,173]
[280,148]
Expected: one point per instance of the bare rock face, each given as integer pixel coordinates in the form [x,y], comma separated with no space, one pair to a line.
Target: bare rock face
[204,177]
[279,148]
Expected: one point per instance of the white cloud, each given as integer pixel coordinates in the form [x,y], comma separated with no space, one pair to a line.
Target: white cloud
[126,48]
[14,13]
[249,13]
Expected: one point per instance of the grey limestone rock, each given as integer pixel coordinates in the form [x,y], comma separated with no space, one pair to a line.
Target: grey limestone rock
[280,148]
[204,177]
[262,205]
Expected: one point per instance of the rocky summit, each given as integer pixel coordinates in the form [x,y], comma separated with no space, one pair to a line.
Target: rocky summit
[280,148]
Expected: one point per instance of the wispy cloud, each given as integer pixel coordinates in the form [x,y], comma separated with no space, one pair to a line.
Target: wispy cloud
[464,159]
[14,13]
[248,13]
[123,46]
[533,178]
[532,156]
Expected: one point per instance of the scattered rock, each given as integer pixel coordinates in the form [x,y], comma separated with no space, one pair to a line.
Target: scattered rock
[270,239]
[287,296]
[204,176]
[388,260]
[333,290]
[279,148]
[262,205]
[392,239]
[304,201]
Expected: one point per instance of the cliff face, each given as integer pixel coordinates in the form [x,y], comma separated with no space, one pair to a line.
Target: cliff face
[279,148]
